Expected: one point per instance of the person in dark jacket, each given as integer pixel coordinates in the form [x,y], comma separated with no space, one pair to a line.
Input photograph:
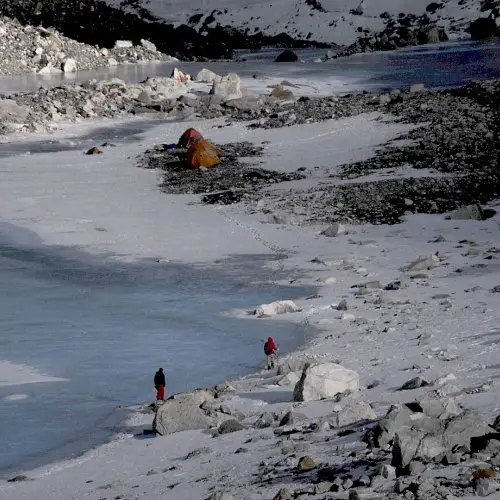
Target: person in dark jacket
[270,348]
[160,385]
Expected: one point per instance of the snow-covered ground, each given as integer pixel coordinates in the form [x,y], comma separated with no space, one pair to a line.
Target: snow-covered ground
[66,197]
[334,23]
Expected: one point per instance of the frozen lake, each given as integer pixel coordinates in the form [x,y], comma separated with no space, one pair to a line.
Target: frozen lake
[107,327]
[443,65]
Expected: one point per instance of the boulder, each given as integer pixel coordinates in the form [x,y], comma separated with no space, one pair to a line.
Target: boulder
[306,464]
[148,45]
[280,93]
[182,412]
[247,103]
[292,418]
[221,495]
[69,65]
[422,263]
[123,44]
[350,412]
[230,426]
[417,87]
[414,383]
[12,112]
[324,381]
[287,56]
[207,76]
[428,34]
[275,308]
[334,230]
[469,212]
[179,76]
[228,88]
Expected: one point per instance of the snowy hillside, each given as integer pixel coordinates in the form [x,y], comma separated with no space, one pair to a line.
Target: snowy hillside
[332,21]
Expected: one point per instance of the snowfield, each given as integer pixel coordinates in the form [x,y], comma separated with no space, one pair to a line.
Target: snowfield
[334,23]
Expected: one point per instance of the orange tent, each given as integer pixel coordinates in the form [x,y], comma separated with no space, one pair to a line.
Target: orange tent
[190,136]
[203,154]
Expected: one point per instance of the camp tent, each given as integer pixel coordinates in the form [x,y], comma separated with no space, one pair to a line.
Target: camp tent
[190,136]
[202,154]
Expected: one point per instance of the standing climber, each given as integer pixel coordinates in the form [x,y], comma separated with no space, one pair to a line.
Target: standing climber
[160,385]
[270,348]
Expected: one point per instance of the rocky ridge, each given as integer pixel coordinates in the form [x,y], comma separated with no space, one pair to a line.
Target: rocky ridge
[29,49]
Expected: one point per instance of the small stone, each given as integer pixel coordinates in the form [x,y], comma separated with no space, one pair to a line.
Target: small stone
[241,450]
[306,464]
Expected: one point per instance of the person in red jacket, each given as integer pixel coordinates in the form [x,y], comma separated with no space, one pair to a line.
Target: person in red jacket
[270,348]
[160,383]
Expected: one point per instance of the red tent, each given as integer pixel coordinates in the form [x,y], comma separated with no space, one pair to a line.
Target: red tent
[189,137]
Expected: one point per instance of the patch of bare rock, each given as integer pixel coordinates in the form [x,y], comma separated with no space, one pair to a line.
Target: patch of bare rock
[30,49]
[334,446]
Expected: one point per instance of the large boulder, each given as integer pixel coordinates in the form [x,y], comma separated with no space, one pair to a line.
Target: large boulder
[469,212]
[324,381]
[228,88]
[183,412]
[295,364]
[12,112]
[287,56]
[275,308]
[207,76]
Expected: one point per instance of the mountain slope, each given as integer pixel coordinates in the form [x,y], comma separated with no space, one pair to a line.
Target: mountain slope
[331,21]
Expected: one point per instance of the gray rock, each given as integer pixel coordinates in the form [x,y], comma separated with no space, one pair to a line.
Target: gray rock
[283,494]
[221,495]
[351,412]
[205,450]
[470,212]
[265,420]
[123,44]
[12,112]
[416,468]
[334,230]
[324,381]
[414,383]
[230,426]
[417,87]
[148,45]
[182,413]
[342,305]
[422,263]
[306,464]
[228,88]
[207,76]
[387,471]
[322,487]
[486,486]
[280,93]
[69,65]
[291,418]
[245,103]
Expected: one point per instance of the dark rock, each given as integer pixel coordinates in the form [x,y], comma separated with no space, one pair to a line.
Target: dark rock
[342,305]
[306,464]
[94,151]
[414,383]
[287,56]
[18,479]
[230,426]
[483,28]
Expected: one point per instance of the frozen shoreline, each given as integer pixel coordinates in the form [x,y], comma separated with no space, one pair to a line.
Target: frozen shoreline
[364,340]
